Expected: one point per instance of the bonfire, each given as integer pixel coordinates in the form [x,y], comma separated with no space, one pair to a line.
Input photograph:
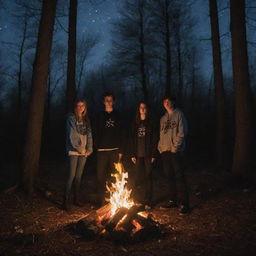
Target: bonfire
[120,218]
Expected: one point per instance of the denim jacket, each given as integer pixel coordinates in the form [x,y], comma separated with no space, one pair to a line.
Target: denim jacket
[78,136]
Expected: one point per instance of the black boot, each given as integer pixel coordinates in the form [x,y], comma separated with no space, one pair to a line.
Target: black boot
[77,201]
[66,202]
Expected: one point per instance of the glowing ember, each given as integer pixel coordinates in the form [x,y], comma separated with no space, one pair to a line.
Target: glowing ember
[119,194]
[136,225]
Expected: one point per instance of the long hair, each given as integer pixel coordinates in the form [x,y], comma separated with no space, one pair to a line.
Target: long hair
[85,118]
[137,117]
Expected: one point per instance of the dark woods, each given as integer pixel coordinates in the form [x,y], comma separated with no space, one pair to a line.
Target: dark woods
[155,51]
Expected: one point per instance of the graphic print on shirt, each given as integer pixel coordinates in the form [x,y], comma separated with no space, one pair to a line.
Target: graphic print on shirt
[141,131]
[169,124]
[110,123]
[81,128]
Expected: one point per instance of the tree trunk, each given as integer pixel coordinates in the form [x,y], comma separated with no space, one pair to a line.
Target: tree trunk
[220,146]
[193,87]
[243,123]
[167,49]
[180,90]
[36,107]
[142,51]
[71,69]
[21,53]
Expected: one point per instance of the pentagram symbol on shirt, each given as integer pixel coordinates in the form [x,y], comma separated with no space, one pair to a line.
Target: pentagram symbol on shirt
[110,123]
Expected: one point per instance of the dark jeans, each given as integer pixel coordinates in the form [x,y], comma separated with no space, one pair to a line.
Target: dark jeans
[174,171]
[76,168]
[105,166]
[144,167]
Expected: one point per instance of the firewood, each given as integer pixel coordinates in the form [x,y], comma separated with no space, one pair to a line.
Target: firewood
[92,217]
[120,236]
[89,231]
[131,214]
[146,233]
[104,210]
[116,218]
[150,228]
[146,222]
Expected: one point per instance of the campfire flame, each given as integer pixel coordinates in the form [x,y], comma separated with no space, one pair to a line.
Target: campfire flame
[119,194]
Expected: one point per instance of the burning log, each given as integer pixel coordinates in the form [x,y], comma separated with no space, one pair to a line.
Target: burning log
[116,218]
[145,222]
[132,213]
[149,229]
[104,210]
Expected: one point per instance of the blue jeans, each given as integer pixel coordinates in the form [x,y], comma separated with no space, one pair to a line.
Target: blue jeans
[76,168]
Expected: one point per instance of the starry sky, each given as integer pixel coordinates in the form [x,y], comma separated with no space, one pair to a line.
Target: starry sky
[96,17]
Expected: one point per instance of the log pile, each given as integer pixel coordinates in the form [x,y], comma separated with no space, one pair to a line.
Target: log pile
[124,226]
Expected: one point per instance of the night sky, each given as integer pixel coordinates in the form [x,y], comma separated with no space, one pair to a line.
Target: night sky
[96,17]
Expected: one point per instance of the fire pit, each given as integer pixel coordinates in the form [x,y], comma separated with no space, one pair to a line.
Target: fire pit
[121,218]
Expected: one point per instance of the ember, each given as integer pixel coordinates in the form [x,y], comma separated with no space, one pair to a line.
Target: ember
[120,218]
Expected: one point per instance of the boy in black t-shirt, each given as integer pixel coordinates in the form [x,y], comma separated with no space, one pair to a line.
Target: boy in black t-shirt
[107,143]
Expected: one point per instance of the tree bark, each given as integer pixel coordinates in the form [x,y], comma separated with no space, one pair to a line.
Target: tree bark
[71,69]
[21,53]
[180,74]
[142,50]
[36,107]
[220,146]
[167,49]
[243,123]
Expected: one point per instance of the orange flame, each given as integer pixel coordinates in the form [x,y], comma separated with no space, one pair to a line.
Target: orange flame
[119,194]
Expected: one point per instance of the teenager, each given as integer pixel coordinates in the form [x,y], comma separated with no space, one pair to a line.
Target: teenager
[143,151]
[107,143]
[173,130]
[79,147]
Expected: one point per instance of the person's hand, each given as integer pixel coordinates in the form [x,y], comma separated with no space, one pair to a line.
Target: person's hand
[83,151]
[119,157]
[133,160]
[87,153]
[153,159]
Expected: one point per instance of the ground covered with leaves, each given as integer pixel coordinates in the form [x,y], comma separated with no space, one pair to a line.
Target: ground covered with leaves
[222,221]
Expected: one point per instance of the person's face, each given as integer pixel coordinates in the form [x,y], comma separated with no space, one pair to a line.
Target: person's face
[143,109]
[108,102]
[81,107]
[167,104]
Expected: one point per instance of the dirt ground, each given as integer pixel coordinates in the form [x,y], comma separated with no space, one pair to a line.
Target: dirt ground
[222,221]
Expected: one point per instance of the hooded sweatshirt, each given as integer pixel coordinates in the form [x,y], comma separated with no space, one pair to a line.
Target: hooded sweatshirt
[78,136]
[173,130]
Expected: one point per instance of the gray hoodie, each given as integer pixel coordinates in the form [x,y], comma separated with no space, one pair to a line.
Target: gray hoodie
[78,136]
[173,130]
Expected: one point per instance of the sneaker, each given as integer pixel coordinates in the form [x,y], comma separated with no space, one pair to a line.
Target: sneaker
[169,205]
[184,209]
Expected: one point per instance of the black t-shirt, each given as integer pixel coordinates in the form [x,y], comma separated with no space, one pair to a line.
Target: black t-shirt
[141,132]
[108,131]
